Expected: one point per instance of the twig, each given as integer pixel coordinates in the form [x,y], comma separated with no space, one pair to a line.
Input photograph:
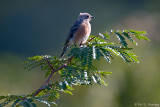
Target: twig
[89,40]
[50,64]
[53,71]
[50,76]
[69,60]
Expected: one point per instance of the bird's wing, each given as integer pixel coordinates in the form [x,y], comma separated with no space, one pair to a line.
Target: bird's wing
[73,29]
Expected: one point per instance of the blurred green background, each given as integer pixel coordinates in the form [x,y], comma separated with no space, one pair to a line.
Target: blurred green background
[37,27]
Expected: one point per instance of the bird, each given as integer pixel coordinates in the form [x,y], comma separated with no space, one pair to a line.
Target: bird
[79,32]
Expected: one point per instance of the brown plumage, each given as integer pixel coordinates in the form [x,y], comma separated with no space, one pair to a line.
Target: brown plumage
[79,32]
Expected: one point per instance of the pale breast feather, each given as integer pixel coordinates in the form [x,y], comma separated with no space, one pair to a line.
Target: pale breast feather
[82,33]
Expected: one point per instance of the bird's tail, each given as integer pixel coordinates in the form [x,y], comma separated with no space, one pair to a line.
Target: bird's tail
[64,50]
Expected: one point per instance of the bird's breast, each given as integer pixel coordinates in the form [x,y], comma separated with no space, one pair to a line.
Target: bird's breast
[82,33]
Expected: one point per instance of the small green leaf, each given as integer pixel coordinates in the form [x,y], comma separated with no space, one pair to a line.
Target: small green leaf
[45,102]
[121,39]
[104,73]
[34,105]
[47,74]
[98,53]
[102,81]
[2,97]
[53,94]
[68,92]
[64,85]
[90,58]
[70,88]
[96,79]
[139,34]
[15,102]
[129,37]
[104,36]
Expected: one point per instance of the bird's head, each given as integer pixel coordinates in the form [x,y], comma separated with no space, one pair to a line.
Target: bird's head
[85,16]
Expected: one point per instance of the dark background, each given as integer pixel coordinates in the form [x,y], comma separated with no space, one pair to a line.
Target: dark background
[38,27]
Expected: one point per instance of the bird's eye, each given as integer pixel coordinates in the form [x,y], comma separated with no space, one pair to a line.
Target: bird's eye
[87,16]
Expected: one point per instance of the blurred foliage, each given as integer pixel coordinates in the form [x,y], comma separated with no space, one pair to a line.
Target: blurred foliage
[77,69]
[29,28]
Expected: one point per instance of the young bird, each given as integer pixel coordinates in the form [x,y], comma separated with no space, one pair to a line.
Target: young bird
[79,32]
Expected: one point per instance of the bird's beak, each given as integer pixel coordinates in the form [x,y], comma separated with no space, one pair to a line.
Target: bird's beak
[92,17]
